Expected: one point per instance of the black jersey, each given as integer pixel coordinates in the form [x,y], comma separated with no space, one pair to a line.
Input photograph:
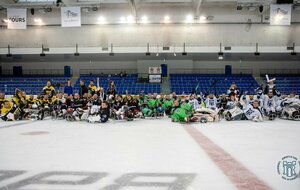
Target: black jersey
[77,103]
[118,104]
[104,114]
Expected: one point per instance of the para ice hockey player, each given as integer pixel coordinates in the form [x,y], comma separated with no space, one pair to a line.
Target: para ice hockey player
[187,107]
[194,102]
[233,109]
[104,111]
[291,108]
[271,106]
[7,111]
[211,102]
[178,113]
[99,114]
[167,105]
[253,112]
[181,113]
[233,102]
[151,107]
[127,110]
[155,105]
[49,89]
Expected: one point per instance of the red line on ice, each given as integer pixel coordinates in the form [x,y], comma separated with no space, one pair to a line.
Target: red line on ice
[238,174]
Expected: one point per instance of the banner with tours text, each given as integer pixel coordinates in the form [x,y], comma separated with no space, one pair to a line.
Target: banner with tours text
[17,18]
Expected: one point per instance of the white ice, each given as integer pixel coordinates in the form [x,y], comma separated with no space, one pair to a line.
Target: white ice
[145,146]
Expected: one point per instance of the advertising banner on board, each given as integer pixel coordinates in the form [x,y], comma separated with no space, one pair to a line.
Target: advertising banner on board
[70,17]
[16,18]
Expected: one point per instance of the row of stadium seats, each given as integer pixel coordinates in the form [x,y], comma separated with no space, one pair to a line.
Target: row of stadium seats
[211,83]
[287,83]
[180,83]
[31,84]
[128,82]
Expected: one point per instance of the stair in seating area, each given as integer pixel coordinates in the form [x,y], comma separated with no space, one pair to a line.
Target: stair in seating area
[165,86]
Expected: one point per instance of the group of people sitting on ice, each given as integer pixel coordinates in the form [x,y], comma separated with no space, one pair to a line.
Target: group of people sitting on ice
[93,104]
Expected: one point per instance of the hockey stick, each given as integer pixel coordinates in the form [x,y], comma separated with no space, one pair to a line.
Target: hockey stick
[213,85]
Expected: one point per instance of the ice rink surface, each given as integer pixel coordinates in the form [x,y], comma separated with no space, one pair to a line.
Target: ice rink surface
[146,154]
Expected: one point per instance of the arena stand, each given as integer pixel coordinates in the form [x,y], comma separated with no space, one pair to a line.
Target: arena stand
[128,82]
[180,83]
[30,84]
[286,83]
[211,83]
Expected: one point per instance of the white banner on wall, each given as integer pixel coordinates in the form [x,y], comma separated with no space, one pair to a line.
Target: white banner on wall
[154,70]
[280,14]
[154,78]
[70,16]
[17,18]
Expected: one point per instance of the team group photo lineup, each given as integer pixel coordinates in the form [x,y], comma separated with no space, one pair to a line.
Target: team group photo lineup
[149,94]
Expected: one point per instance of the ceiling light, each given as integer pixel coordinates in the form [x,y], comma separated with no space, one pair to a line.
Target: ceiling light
[293,52]
[76,52]
[130,19]
[148,50]
[8,52]
[256,53]
[220,53]
[101,20]
[32,11]
[6,20]
[122,19]
[189,18]
[94,8]
[42,54]
[174,51]
[166,19]
[144,19]
[220,57]
[203,18]
[157,51]
[58,2]
[111,50]
[261,8]
[184,53]
[38,20]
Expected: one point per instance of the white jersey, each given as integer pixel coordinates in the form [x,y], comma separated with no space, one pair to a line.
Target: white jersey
[261,100]
[249,101]
[194,103]
[232,104]
[211,103]
[62,100]
[269,102]
[291,100]
[251,112]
